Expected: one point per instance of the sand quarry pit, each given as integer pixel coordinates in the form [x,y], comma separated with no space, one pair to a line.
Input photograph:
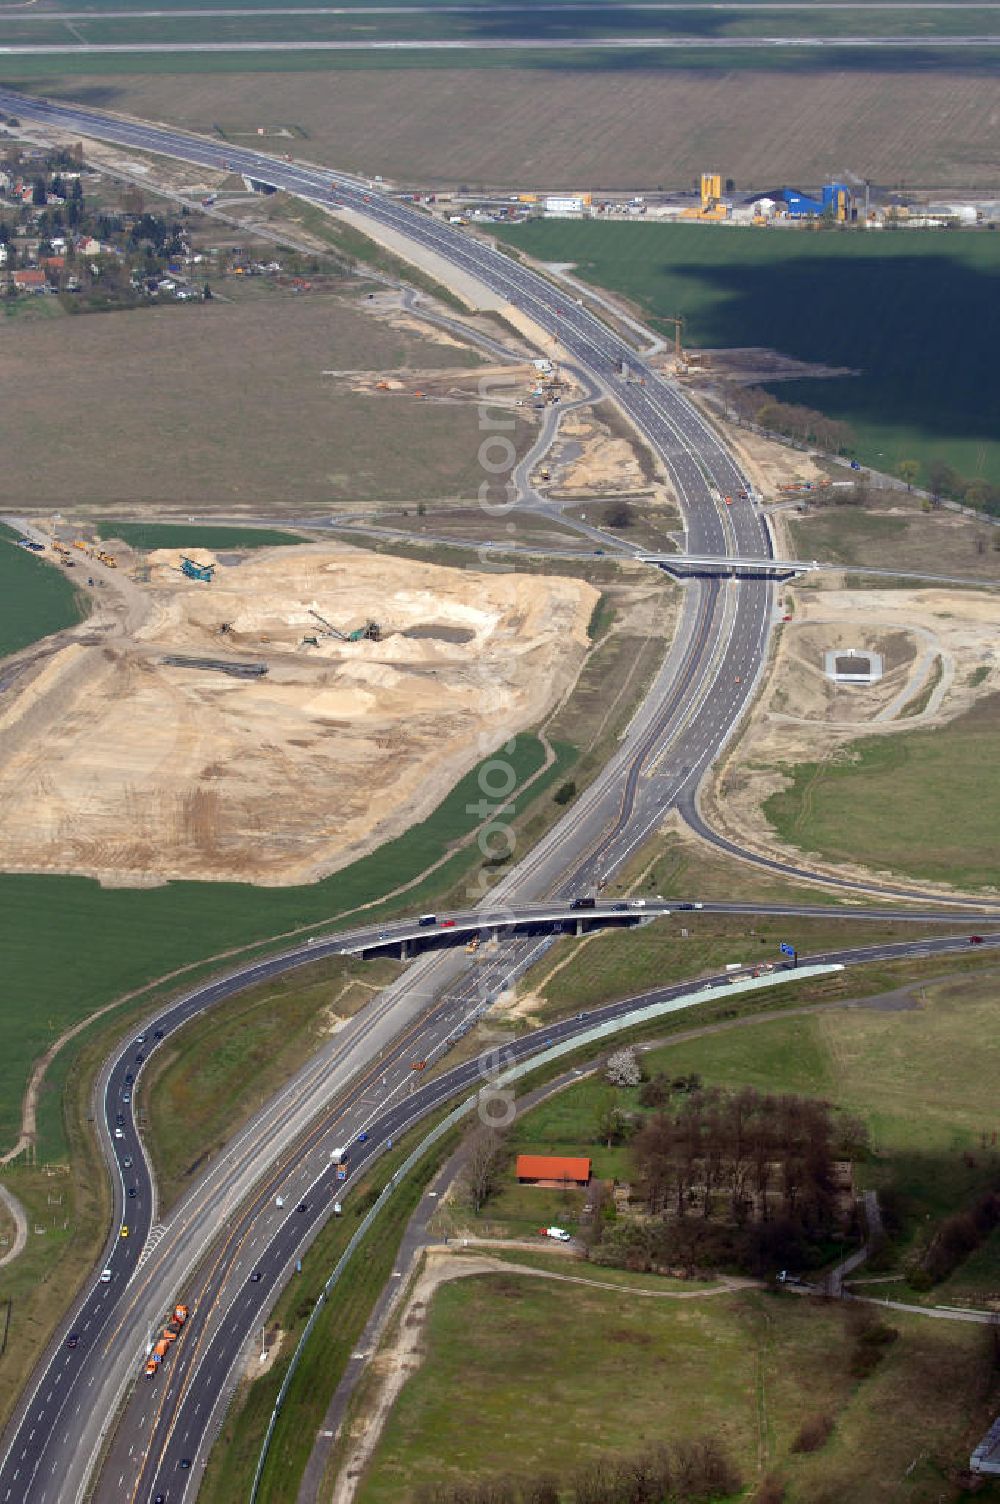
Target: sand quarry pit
[116,765]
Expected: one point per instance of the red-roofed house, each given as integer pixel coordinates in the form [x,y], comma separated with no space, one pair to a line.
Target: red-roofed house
[30,280]
[552,1170]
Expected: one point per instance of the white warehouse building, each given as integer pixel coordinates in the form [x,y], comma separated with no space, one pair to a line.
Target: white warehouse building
[558,205]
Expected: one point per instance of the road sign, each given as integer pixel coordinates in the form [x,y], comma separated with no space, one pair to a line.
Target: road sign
[786,950]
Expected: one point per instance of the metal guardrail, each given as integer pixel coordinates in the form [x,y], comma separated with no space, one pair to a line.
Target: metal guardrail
[513,1073]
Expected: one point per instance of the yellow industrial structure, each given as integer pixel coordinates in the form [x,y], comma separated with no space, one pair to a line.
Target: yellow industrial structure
[711,206]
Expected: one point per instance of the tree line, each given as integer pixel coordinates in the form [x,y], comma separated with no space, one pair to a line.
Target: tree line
[957,1237]
[685,1472]
[806,425]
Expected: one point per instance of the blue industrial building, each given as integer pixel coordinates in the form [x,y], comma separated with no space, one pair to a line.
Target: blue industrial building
[835,197]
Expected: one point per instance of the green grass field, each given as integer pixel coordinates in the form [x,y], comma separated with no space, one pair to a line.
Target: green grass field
[586,972]
[592,1369]
[35,598]
[523,1376]
[879,304]
[148,535]
[917,1068]
[51,73]
[921,1078]
[71,946]
[922,803]
[609,10]
[926,542]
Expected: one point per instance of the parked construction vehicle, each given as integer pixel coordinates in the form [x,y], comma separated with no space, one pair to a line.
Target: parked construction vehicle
[168,1337]
[91,550]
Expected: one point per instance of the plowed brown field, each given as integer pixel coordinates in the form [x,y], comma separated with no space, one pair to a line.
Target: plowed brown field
[588,129]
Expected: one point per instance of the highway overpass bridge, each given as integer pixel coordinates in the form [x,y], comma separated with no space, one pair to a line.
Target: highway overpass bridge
[411,938]
[690,566]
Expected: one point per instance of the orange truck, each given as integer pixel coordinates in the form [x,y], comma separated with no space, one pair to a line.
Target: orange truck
[157,1356]
[168,1336]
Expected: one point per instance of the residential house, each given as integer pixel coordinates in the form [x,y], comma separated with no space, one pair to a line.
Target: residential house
[30,280]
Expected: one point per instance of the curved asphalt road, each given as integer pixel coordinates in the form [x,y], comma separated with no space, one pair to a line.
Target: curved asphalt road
[40,1460]
[179,1410]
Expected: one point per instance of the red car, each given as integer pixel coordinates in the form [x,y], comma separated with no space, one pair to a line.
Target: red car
[975,939]
[447,924]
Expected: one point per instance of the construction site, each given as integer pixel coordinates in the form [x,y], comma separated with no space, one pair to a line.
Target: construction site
[714,199]
[149,743]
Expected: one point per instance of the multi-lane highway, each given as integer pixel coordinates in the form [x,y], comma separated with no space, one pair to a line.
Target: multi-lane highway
[230,1227]
[62,1425]
[169,1418]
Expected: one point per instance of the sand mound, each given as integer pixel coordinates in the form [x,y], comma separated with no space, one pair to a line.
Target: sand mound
[116,764]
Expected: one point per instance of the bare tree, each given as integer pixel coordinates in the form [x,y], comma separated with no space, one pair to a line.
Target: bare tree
[484,1165]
